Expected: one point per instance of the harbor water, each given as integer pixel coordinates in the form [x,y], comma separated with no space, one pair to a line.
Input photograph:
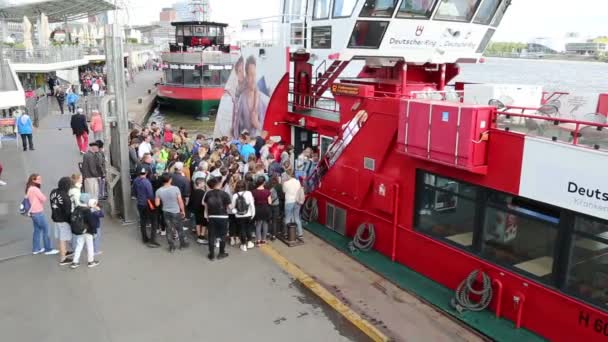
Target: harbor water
[553,75]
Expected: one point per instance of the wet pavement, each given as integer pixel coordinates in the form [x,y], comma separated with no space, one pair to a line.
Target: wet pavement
[137,293]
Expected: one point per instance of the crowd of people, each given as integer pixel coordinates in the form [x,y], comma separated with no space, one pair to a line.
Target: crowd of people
[240,192]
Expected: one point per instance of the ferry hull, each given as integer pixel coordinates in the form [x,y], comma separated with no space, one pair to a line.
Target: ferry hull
[195,101]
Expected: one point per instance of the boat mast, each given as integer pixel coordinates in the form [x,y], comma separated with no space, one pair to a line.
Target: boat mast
[200,10]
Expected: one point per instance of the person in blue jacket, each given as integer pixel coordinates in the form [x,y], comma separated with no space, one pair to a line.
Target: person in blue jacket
[24,127]
[72,100]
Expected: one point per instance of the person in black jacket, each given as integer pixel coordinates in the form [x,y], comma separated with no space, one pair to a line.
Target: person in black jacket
[61,208]
[80,129]
[60,96]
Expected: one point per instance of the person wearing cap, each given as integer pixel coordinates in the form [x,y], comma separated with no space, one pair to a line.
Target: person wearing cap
[144,193]
[80,129]
[92,170]
[101,156]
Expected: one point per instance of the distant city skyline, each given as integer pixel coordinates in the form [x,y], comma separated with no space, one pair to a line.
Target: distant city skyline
[524,21]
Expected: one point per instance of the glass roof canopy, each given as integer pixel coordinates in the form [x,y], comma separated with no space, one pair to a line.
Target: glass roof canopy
[56,10]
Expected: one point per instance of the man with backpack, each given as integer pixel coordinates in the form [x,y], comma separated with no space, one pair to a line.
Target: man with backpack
[84,227]
[217,203]
[61,209]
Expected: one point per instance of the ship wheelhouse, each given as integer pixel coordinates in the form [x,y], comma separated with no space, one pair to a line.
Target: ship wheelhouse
[417,31]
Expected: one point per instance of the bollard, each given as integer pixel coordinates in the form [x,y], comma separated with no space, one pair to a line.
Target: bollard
[291,232]
[140,100]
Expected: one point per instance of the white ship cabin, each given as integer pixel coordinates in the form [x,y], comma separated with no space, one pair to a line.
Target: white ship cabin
[417,31]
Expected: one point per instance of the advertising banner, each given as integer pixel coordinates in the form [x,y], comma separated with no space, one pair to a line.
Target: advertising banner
[254,78]
[565,176]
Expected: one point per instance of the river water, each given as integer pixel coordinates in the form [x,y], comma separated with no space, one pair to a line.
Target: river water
[570,76]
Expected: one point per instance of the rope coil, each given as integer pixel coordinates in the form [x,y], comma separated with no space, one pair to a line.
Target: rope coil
[360,243]
[462,299]
[310,210]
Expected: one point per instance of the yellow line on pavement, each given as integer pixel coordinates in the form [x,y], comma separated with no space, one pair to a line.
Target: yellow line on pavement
[358,321]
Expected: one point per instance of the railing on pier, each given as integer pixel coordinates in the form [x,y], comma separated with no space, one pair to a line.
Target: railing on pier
[43,55]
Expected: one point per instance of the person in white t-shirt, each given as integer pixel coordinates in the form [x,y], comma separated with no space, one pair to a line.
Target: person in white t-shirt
[292,190]
[145,147]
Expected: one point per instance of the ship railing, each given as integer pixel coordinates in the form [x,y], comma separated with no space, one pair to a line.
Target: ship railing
[592,132]
[307,102]
[439,95]
[549,97]
[279,30]
[443,95]
[198,57]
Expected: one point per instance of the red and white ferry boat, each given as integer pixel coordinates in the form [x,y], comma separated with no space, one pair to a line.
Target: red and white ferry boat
[505,179]
[196,67]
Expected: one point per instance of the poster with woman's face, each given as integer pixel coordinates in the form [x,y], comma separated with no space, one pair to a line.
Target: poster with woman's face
[248,90]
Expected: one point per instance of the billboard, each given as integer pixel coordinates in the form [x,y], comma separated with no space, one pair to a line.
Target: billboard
[252,81]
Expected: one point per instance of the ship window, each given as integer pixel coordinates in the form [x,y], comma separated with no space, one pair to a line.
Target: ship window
[321,10]
[175,76]
[588,273]
[192,77]
[344,8]
[486,40]
[520,234]
[321,37]
[486,12]
[368,34]
[446,209]
[198,31]
[457,10]
[187,31]
[500,13]
[421,9]
[378,8]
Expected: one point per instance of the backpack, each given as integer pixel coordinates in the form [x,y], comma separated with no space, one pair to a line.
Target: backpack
[241,204]
[25,207]
[57,202]
[274,197]
[78,221]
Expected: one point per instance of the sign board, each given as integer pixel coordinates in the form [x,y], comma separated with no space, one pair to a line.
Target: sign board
[345,89]
[565,176]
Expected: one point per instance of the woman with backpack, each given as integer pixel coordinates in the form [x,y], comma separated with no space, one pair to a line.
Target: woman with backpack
[244,210]
[84,223]
[262,201]
[35,202]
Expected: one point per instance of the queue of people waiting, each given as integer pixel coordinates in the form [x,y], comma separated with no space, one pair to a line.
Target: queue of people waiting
[242,191]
